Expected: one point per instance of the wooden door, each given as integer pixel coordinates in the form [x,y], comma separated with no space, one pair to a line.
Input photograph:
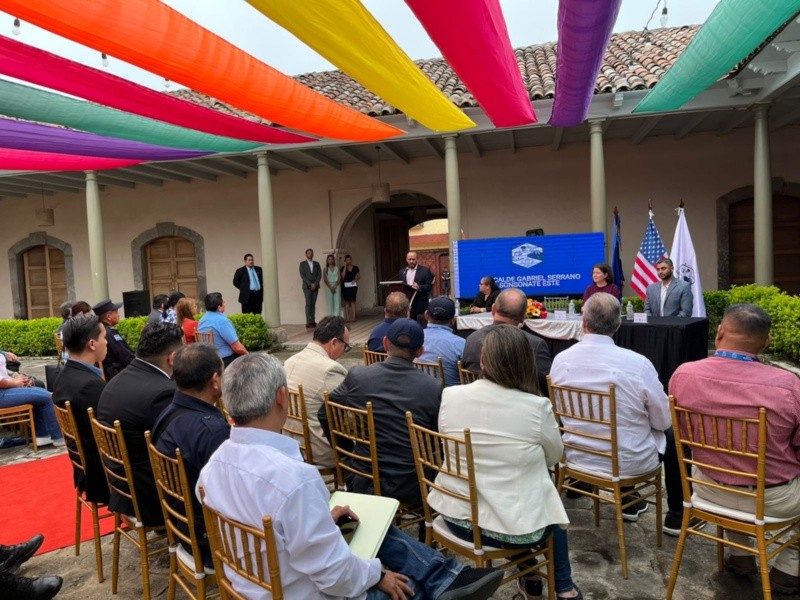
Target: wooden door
[45,275]
[392,244]
[171,266]
[786,243]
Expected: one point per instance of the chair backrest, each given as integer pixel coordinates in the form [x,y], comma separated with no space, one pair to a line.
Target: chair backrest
[434,369]
[449,455]
[116,462]
[296,425]
[466,376]
[175,497]
[19,417]
[553,303]
[204,337]
[371,357]
[59,341]
[102,370]
[75,451]
[351,427]
[722,445]
[242,548]
[590,417]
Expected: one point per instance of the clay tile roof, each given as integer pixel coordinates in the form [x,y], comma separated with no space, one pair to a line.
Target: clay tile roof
[628,56]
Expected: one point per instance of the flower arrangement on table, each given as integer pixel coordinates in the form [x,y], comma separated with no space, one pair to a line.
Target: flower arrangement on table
[535,310]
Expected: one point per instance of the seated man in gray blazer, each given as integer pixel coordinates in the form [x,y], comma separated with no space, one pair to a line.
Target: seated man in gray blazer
[670,297]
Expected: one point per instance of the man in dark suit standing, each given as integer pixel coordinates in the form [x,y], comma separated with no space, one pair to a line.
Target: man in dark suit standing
[136,398]
[249,280]
[81,383]
[420,281]
[310,274]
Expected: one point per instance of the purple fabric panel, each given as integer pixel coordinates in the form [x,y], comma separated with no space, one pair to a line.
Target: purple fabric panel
[584,29]
[22,135]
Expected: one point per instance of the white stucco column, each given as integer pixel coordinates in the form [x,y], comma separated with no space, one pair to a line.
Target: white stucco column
[598,179]
[97,246]
[453,199]
[269,256]
[762,199]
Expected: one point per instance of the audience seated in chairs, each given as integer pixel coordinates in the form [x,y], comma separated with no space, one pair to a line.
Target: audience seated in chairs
[272,479]
[733,383]
[440,341]
[515,438]
[644,426]
[316,368]
[192,423]
[225,338]
[396,307]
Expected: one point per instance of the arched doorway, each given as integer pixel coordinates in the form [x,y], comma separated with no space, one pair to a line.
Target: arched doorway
[171,266]
[44,272]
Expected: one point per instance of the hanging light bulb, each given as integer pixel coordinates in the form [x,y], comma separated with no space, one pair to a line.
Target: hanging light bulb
[166,83]
[104,59]
[664,15]
[648,42]
[16,29]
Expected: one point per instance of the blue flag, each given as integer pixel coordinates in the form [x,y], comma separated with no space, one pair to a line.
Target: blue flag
[616,260]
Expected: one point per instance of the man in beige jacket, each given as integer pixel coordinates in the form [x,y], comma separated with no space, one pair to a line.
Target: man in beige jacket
[316,369]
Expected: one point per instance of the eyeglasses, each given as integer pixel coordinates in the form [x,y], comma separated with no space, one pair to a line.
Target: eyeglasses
[347,346]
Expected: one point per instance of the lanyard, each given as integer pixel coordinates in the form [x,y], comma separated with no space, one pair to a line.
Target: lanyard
[735,356]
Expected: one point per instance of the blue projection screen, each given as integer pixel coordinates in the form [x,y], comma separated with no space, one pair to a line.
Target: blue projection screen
[552,265]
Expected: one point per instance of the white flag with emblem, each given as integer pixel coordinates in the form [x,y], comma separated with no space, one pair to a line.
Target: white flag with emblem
[685,261]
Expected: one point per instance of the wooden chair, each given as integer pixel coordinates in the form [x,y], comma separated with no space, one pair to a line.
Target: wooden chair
[371,357]
[723,440]
[114,456]
[221,405]
[204,337]
[240,548]
[351,427]
[577,411]
[466,376]
[175,494]
[297,427]
[102,371]
[20,418]
[77,457]
[59,341]
[554,303]
[452,456]
[434,369]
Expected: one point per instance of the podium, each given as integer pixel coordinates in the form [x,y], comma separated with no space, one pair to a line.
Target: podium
[400,286]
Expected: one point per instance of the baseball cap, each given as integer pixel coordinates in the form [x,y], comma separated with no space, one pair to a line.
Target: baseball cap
[442,308]
[105,306]
[406,333]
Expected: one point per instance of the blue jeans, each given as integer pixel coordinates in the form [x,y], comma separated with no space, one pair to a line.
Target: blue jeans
[429,571]
[562,571]
[44,415]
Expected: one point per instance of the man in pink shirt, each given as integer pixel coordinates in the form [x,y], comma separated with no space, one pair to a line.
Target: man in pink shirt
[734,383]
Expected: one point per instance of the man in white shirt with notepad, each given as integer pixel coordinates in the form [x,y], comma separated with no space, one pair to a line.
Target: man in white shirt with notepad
[260,472]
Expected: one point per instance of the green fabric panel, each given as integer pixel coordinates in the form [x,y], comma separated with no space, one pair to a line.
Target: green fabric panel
[32,104]
[732,32]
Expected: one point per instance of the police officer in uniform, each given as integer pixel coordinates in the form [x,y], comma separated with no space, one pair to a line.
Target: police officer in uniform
[119,353]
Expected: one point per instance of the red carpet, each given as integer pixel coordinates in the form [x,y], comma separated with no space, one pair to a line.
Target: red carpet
[38,497]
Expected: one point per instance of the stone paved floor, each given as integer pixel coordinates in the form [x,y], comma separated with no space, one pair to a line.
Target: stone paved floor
[594,553]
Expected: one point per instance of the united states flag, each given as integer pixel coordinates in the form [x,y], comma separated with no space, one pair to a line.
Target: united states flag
[651,250]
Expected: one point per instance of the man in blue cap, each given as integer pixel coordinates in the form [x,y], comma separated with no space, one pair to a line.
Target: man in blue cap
[440,341]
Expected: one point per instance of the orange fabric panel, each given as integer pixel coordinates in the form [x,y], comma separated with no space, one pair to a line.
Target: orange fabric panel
[155,37]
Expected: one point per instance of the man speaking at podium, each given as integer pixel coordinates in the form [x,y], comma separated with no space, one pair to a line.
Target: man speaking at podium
[420,280]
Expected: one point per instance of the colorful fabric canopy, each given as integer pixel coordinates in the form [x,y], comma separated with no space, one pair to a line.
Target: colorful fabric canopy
[346,34]
[21,135]
[584,29]
[25,160]
[734,30]
[155,37]
[48,70]
[33,104]
[473,37]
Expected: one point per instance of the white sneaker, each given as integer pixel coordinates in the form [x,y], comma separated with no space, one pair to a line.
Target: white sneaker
[59,443]
[44,441]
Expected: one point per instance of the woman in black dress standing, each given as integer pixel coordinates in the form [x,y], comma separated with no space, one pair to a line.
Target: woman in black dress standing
[350,277]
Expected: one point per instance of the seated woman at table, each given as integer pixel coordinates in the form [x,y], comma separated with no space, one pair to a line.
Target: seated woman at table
[486,296]
[515,438]
[603,280]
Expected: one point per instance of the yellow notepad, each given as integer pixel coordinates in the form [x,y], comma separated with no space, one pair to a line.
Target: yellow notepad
[375,514]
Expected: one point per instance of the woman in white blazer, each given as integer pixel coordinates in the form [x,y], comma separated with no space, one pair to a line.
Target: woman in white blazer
[515,438]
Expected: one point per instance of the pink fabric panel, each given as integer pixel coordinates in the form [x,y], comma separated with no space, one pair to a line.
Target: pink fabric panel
[27,160]
[473,37]
[48,70]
